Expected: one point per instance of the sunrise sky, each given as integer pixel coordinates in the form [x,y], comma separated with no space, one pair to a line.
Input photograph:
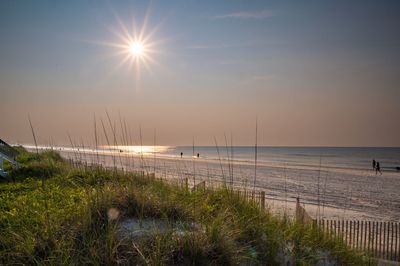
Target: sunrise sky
[315,73]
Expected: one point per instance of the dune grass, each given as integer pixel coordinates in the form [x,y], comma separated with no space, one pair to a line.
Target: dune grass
[57,214]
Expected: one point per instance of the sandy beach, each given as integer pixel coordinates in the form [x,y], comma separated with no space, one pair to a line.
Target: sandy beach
[325,192]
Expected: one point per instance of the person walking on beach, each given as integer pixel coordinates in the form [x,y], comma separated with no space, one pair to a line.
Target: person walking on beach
[373,164]
[378,168]
[181,154]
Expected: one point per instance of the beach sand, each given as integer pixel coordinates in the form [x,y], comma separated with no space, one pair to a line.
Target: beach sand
[326,192]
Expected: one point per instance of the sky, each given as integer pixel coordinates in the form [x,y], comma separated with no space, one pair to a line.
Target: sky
[312,73]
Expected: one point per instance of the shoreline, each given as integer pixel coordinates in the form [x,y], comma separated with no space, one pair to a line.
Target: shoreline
[349,194]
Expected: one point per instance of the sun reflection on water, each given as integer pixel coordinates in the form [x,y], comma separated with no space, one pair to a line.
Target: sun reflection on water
[138,149]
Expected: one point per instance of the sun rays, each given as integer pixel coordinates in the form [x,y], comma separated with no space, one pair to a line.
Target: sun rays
[134,45]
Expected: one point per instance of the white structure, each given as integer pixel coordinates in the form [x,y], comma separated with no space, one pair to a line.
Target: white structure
[7,153]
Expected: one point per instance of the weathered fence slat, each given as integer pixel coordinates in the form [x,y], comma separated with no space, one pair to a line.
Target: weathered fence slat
[352,235]
[381,250]
[391,243]
[378,239]
[373,238]
[395,245]
[377,244]
[365,235]
[384,241]
[358,230]
[369,236]
[387,240]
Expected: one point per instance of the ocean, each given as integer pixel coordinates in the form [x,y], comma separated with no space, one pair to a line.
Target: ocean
[337,157]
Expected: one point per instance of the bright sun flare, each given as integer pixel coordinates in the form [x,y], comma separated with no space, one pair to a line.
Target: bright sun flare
[135,46]
[136,49]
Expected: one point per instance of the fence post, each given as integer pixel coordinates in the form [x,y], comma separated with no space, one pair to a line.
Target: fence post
[357,236]
[377,243]
[333,230]
[384,240]
[341,230]
[350,234]
[354,232]
[387,240]
[395,245]
[361,236]
[377,239]
[333,227]
[391,243]
[373,237]
[365,235]
[369,236]
[263,200]
[380,239]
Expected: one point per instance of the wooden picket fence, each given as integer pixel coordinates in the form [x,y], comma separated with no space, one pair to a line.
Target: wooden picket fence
[379,239]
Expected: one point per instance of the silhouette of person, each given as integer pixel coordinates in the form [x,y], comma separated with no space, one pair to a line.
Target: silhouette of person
[198,155]
[378,168]
[373,164]
[181,154]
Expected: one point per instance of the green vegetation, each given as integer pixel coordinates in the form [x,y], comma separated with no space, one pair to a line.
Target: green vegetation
[56,214]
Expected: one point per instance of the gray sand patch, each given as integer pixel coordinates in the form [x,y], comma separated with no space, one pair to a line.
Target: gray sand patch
[135,228]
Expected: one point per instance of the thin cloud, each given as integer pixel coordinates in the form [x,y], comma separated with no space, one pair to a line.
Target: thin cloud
[208,46]
[232,45]
[262,77]
[228,62]
[221,46]
[263,14]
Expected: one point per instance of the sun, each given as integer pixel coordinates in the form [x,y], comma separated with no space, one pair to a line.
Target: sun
[135,46]
[136,49]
